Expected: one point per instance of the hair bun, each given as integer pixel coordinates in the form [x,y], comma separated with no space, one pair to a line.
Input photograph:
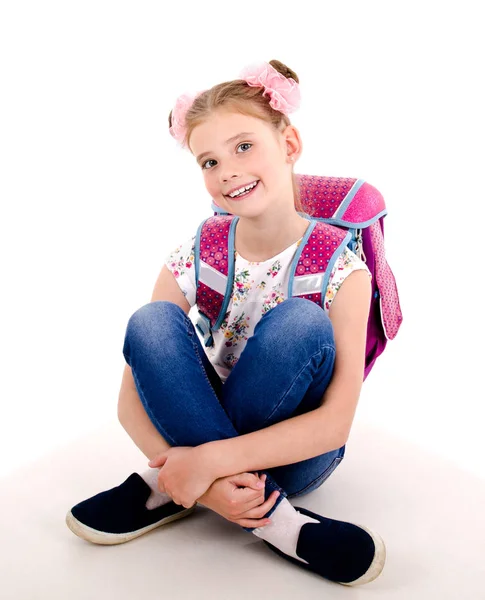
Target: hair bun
[284,70]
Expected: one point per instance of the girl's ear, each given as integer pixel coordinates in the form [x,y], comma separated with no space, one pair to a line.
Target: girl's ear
[293,142]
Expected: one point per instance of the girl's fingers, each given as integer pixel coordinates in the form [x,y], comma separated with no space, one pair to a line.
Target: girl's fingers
[251,497]
[256,482]
[259,510]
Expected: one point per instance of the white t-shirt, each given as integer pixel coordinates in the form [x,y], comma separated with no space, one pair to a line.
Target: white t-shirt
[258,287]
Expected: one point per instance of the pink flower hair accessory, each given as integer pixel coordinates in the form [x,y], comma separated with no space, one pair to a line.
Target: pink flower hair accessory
[284,92]
[179,111]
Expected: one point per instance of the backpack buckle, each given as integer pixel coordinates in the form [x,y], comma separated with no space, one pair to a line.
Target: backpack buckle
[204,327]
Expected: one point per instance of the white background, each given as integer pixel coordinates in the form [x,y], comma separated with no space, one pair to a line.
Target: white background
[95,193]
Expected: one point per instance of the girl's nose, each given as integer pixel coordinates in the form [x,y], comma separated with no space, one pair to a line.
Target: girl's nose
[229,174]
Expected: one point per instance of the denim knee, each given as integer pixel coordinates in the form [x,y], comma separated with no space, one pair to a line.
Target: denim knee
[303,318]
[160,310]
[151,321]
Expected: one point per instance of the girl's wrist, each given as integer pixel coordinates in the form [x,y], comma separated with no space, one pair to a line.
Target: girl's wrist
[207,455]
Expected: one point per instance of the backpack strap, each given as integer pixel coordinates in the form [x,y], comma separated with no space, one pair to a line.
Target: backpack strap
[214,272]
[314,261]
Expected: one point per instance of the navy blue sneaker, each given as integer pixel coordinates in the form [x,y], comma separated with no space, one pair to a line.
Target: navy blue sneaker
[119,515]
[342,552]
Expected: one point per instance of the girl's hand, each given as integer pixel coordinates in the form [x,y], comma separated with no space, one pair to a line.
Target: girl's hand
[183,476]
[238,499]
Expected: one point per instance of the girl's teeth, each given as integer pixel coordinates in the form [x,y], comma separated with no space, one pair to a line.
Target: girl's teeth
[244,193]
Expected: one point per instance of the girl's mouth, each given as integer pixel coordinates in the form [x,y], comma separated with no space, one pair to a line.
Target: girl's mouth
[243,195]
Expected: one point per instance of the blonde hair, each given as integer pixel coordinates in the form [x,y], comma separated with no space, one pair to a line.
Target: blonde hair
[238,96]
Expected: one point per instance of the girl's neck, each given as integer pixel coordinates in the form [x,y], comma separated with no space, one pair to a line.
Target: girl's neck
[259,242]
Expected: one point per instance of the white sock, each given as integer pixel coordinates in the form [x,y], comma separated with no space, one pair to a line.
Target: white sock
[284,529]
[156,498]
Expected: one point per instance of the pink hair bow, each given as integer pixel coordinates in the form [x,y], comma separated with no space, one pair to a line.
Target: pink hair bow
[284,95]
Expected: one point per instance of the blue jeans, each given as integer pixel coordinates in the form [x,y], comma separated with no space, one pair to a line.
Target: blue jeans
[282,372]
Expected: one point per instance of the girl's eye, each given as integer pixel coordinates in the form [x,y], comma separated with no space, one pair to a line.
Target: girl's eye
[244,144]
[207,161]
[212,160]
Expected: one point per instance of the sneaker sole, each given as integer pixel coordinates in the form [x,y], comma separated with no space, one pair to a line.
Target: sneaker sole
[101,537]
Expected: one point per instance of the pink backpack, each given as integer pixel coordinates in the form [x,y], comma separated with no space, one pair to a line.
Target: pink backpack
[344,212]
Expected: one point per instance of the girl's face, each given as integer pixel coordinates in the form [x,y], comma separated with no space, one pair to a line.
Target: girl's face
[235,150]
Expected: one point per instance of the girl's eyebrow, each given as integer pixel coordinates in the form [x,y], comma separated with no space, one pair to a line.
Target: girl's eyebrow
[232,139]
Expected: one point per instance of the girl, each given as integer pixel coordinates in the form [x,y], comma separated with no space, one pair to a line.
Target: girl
[278,389]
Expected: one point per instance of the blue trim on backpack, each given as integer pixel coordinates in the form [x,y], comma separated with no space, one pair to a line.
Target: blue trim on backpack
[331,263]
[349,197]
[350,225]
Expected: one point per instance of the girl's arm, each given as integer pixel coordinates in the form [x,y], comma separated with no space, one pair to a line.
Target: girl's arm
[322,430]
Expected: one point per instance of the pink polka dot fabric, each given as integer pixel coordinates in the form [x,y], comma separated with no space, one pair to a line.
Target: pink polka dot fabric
[390,307]
[214,242]
[321,196]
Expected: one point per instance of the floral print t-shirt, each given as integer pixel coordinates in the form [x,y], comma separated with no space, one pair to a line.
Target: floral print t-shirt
[258,287]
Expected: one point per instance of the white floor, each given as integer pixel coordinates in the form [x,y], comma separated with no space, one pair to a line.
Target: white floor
[430,514]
